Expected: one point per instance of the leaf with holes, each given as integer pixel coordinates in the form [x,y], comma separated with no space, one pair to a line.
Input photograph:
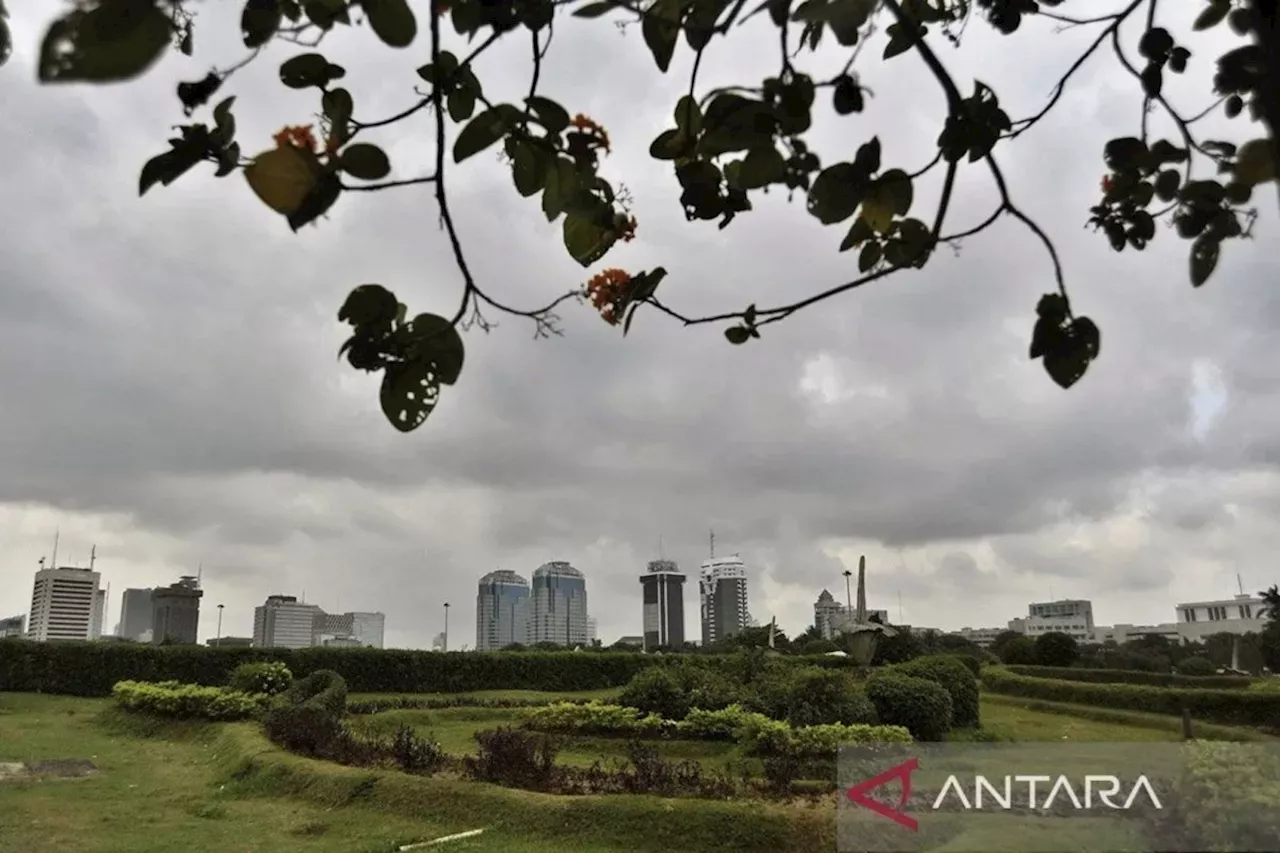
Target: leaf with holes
[1069,351]
[306,70]
[432,339]
[409,395]
[1204,258]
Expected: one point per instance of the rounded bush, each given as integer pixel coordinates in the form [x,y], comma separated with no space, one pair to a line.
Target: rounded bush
[919,705]
[954,676]
[1197,666]
[657,690]
[811,696]
[1056,649]
[266,677]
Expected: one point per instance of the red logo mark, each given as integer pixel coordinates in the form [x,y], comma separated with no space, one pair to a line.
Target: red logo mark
[902,772]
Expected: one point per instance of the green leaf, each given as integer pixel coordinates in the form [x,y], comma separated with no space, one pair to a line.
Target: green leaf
[562,184]
[1204,258]
[115,41]
[1255,162]
[224,123]
[550,115]
[734,123]
[461,103]
[392,21]
[337,105]
[1212,15]
[762,166]
[409,395]
[587,239]
[481,132]
[660,28]
[1069,351]
[434,340]
[836,193]
[1152,80]
[878,214]
[895,190]
[666,146]
[595,10]
[900,40]
[364,161]
[737,334]
[847,97]
[1167,183]
[305,70]
[1126,154]
[325,13]
[859,233]
[168,167]
[368,304]
[688,116]
[317,202]
[529,167]
[867,160]
[869,257]
[847,17]
[259,22]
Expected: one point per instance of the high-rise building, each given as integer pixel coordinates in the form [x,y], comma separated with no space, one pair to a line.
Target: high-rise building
[65,605]
[282,622]
[175,611]
[723,591]
[663,594]
[502,611]
[559,605]
[14,626]
[99,614]
[831,617]
[135,614]
[362,628]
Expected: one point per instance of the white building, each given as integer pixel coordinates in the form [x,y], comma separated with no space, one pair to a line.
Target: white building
[722,586]
[66,604]
[559,612]
[284,623]
[356,628]
[1124,633]
[1240,614]
[1073,617]
[983,637]
[14,626]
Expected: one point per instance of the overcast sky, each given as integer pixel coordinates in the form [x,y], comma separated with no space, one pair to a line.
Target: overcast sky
[169,389]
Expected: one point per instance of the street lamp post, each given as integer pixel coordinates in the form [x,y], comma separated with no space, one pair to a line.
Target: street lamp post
[218,639]
[446,626]
[848,596]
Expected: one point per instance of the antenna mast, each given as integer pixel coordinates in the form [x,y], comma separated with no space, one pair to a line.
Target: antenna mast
[713,544]
[1239,583]
[93,556]
[54,561]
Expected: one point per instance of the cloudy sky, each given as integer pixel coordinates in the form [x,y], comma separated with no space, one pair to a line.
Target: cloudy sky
[170,391]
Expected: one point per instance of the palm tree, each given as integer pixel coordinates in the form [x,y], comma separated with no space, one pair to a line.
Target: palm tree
[1271,604]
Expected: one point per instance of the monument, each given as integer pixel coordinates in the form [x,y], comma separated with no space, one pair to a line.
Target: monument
[860,634]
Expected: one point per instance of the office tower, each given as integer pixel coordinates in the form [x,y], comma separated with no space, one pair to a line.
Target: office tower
[502,611]
[355,628]
[559,605]
[663,593]
[175,611]
[135,614]
[283,622]
[64,605]
[14,626]
[723,590]
[99,614]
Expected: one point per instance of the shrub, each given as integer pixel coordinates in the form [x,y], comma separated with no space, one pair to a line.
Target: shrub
[972,661]
[1229,707]
[921,706]
[266,677]
[415,754]
[512,757]
[324,688]
[1196,667]
[598,718]
[1227,795]
[713,725]
[308,716]
[1133,676]
[954,677]
[1056,649]
[808,696]
[657,691]
[186,701]
[1019,650]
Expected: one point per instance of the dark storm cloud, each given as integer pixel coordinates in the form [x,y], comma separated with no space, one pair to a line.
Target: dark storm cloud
[176,358]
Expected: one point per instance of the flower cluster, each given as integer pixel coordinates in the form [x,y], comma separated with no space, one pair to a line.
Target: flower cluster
[299,137]
[607,291]
[592,130]
[626,228]
[1107,183]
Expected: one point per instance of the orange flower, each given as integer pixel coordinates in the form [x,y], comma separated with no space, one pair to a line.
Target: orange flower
[440,7]
[1107,183]
[627,230]
[592,129]
[300,137]
[607,290]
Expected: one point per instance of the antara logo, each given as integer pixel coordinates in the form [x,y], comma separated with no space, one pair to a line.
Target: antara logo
[981,792]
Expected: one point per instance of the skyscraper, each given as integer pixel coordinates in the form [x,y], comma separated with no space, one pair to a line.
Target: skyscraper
[65,605]
[135,613]
[502,611]
[663,589]
[723,592]
[284,623]
[175,611]
[559,605]
[355,628]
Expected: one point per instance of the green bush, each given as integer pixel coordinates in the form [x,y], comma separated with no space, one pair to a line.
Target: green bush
[308,716]
[1018,650]
[809,696]
[598,718]
[972,661]
[1056,649]
[186,701]
[1229,707]
[657,691]
[1227,796]
[1133,676]
[955,677]
[921,706]
[267,677]
[1197,667]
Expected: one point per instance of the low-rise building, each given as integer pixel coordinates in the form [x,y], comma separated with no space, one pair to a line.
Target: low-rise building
[1241,614]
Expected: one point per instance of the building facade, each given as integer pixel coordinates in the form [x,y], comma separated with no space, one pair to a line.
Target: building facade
[1240,614]
[832,618]
[722,586]
[1073,617]
[175,612]
[282,622]
[662,587]
[135,614]
[14,626]
[502,611]
[355,628]
[559,612]
[65,605]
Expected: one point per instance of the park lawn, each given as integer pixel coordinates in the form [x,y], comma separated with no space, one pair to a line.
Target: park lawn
[163,793]
[605,694]
[1009,721]
[1170,725]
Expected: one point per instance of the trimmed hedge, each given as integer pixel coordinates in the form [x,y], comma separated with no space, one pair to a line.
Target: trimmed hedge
[956,678]
[187,701]
[90,669]
[1230,707]
[308,718]
[269,677]
[1226,799]
[1133,676]
[920,705]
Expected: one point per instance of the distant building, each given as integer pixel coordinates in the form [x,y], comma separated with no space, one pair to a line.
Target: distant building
[342,643]
[502,611]
[981,637]
[283,622]
[1125,633]
[175,612]
[1073,617]
[229,641]
[135,614]
[65,605]
[723,595]
[1240,614]
[663,597]
[559,613]
[592,628]
[14,626]
[99,614]
[832,618]
[364,628]
[631,640]
[438,642]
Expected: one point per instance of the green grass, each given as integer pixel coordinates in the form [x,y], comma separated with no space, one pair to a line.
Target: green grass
[604,694]
[1027,719]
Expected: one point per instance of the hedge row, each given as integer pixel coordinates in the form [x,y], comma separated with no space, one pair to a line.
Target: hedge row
[1134,676]
[90,669]
[187,701]
[1229,707]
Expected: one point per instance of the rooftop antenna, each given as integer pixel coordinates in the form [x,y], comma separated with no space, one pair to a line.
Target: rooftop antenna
[54,561]
[199,572]
[713,544]
[1239,583]
[93,556]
